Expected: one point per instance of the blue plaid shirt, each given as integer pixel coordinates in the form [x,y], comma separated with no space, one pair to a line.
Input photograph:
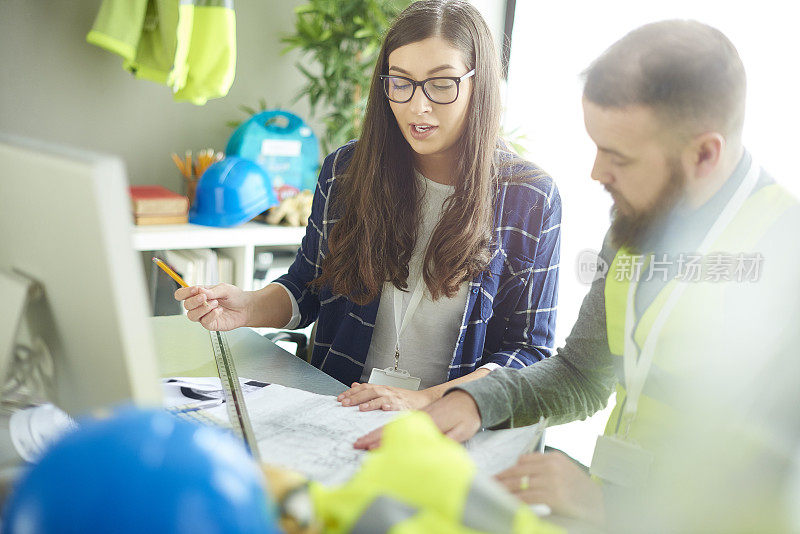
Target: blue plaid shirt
[511,309]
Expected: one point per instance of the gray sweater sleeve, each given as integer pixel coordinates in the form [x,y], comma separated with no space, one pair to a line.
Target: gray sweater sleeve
[572,384]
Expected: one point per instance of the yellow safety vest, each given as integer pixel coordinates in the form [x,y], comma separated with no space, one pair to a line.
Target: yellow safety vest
[418,482]
[188,45]
[694,326]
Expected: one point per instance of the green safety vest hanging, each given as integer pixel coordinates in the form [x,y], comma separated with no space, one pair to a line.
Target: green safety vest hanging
[188,45]
[682,322]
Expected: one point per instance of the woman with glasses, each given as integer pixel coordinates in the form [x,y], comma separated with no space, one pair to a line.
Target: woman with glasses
[431,255]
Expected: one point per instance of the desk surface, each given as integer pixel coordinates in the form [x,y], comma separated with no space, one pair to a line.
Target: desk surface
[184,349]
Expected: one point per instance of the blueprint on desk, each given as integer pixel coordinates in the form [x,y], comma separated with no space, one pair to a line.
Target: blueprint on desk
[314,434]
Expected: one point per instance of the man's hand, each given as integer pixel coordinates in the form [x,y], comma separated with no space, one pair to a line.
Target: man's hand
[553,479]
[374,397]
[455,414]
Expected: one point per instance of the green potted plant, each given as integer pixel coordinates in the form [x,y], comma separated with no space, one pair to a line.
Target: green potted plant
[342,39]
[250,111]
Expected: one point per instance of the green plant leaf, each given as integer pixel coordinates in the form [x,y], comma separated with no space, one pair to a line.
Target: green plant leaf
[287,49]
[248,110]
[518,148]
[342,38]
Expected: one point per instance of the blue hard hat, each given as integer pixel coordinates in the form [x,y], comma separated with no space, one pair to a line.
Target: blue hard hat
[141,471]
[231,192]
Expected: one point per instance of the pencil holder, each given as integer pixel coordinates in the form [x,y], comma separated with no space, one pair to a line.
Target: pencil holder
[190,187]
[192,170]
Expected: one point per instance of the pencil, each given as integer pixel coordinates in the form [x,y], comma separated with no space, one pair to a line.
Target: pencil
[189,163]
[178,163]
[170,272]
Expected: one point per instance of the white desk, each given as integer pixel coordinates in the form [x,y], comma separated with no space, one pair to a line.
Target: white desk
[184,349]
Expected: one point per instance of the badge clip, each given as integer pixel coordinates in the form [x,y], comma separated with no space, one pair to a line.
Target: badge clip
[399,378]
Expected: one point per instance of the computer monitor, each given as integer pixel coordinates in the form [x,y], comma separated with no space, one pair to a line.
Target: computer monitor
[65,228]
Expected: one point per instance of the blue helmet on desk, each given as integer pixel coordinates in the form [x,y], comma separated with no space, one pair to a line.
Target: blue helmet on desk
[141,471]
[231,192]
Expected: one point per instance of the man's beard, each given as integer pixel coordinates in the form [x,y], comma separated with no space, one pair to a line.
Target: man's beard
[631,230]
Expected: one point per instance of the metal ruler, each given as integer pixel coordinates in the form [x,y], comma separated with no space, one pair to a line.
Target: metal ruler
[232,389]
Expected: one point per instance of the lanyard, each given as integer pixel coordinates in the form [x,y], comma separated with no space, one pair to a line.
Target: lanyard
[637,365]
[401,320]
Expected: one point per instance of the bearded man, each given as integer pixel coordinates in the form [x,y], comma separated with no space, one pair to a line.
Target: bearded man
[694,324]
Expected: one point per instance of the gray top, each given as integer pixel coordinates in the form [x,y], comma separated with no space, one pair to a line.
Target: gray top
[577,381]
[739,408]
[572,384]
[428,342]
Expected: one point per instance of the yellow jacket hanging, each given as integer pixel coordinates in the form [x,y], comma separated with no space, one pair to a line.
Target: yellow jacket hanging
[188,45]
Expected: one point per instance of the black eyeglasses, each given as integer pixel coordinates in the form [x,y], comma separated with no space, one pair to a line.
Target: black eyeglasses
[439,90]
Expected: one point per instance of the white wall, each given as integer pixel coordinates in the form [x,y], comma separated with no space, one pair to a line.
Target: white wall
[55,86]
[494,12]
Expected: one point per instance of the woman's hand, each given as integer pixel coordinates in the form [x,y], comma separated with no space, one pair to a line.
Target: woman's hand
[221,307]
[455,414]
[374,397]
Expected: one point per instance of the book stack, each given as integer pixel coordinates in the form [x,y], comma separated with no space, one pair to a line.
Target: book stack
[153,204]
[200,266]
[196,266]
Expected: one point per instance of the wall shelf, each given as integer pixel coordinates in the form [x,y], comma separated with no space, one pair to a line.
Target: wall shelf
[238,243]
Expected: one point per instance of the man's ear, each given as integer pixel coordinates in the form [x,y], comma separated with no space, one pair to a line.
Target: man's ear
[703,155]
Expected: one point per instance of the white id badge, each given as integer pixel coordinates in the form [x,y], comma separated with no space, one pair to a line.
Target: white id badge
[392,378]
[620,462]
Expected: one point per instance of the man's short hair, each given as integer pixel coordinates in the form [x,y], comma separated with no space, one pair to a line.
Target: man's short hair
[688,72]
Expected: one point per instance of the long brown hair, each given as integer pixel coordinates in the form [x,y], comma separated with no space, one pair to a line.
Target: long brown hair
[377,197]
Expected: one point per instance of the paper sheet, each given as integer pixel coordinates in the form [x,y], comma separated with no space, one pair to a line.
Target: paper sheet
[309,433]
[185,392]
[494,451]
[314,434]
